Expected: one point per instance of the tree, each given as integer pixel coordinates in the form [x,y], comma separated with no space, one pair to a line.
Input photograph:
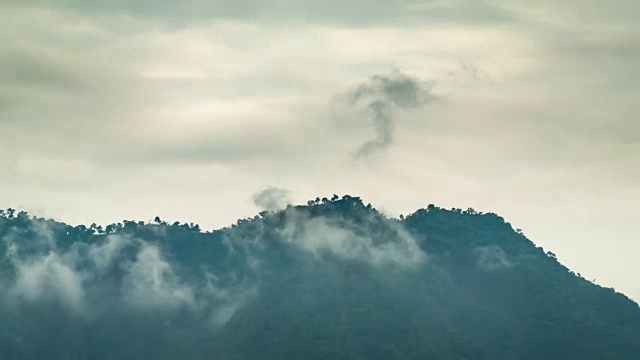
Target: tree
[23,215]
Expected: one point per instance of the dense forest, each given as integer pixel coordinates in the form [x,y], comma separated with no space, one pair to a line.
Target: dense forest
[333,279]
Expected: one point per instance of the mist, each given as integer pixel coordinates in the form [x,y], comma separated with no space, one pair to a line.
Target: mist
[335,278]
[172,282]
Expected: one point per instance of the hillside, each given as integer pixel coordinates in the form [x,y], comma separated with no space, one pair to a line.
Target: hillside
[334,279]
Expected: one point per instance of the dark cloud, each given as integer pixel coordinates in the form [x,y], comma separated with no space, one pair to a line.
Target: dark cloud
[381,95]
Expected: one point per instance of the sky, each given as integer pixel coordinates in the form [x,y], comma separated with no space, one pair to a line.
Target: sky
[113,110]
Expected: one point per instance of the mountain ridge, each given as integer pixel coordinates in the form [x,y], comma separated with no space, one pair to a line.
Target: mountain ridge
[333,278]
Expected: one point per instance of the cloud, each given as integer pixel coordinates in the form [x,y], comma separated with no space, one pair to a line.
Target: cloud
[118,274]
[490,258]
[353,12]
[47,278]
[113,275]
[381,95]
[226,300]
[272,198]
[104,254]
[350,240]
[151,282]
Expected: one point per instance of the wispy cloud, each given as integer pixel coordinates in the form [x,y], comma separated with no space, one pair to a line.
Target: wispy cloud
[492,257]
[272,198]
[352,240]
[381,96]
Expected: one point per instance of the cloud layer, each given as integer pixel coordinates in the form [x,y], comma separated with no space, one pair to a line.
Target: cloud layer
[116,274]
[134,274]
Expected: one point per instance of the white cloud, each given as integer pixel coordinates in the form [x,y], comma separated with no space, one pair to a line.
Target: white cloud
[130,273]
[105,254]
[492,258]
[346,239]
[152,283]
[47,278]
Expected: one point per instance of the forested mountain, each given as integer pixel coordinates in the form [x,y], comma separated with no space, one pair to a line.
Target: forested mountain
[334,279]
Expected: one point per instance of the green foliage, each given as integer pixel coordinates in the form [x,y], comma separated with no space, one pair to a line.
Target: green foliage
[484,291]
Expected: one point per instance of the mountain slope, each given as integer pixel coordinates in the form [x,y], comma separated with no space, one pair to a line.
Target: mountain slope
[333,279]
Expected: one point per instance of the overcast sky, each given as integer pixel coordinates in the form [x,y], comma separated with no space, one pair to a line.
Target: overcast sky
[113,110]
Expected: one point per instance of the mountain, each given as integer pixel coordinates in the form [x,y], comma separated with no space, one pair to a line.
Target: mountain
[334,279]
